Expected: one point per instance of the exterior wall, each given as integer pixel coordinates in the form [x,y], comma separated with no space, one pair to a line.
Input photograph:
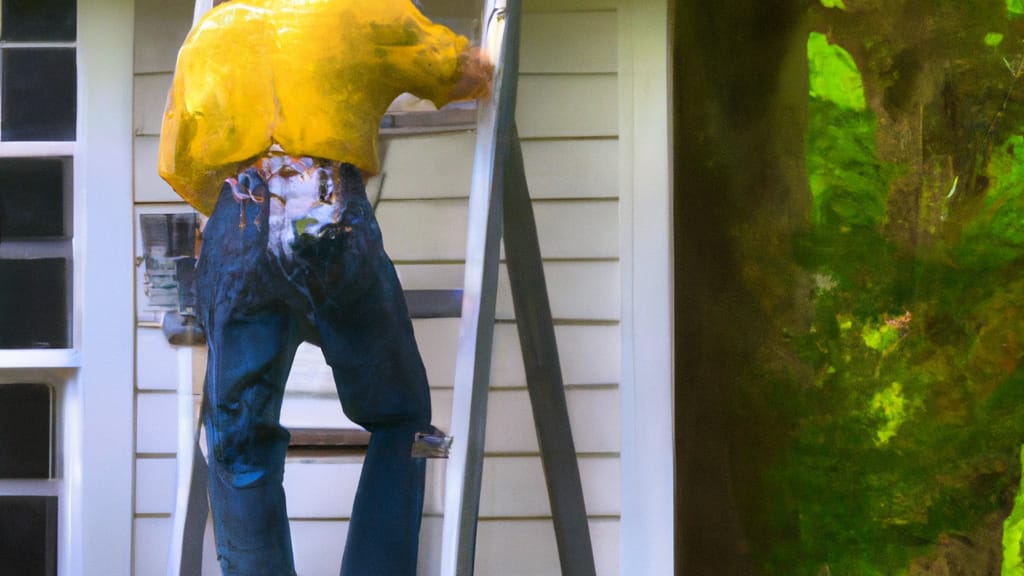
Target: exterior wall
[572,124]
[160,28]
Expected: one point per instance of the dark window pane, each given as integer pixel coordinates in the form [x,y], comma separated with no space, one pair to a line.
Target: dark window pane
[25,431]
[33,303]
[51,20]
[39,94]
[28,535]
[32,197]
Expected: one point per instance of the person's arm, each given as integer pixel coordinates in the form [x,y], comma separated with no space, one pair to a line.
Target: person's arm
[430,60]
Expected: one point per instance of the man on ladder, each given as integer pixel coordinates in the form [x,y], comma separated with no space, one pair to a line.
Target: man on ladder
[270,129]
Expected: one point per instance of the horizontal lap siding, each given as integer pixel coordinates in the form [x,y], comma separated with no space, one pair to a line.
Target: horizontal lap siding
[152,535]
[438,339]
[505,547]
[593,415]
[156,423]
[532,7]
[567,118]
[149,187]
[160,27]
[431,230]
[512,547]
[587,289]
[155,485]
[151,91]
[441,165]
[568,106]
[569,43]
[523,547]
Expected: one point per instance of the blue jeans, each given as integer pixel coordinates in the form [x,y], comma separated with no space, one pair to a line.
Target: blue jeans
[340,292]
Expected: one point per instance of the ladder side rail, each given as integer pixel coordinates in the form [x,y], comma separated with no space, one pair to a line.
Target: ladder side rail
[469,403]
[201,8]
[476,331]
[190,492]
[543,372]
[196,514]
[191,507]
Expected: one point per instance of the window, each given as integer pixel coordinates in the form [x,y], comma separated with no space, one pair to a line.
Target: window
[38,112]
[38,119]
[35,252]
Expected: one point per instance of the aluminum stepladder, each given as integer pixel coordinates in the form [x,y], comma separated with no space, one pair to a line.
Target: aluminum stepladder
[499,198]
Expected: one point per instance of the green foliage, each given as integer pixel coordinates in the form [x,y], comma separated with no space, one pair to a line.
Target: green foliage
[995,237]
[1015,7]
[848,183]
[881,338]
[1013,536]
[849,186]
[910,422]
[993,39]
[833,73]
[833,4]
[892,408]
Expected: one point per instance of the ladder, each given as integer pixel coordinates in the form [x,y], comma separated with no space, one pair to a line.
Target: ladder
[499,199]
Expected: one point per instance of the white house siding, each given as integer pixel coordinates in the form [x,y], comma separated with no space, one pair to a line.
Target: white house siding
[160,27]
[568,119]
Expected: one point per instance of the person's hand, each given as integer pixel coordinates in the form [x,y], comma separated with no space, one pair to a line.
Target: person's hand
[477,71]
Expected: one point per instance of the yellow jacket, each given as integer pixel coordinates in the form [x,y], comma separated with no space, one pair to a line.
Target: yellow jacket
[314,76]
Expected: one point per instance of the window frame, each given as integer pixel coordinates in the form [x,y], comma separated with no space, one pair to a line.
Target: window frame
[21,248]
[55,368]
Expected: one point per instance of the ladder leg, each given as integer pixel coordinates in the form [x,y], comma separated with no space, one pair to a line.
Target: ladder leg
[543,372]
[479,297]
[472,379]
[191,506]
[195,516]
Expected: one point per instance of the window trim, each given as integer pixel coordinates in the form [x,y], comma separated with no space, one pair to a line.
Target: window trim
[99,400]
[647,529]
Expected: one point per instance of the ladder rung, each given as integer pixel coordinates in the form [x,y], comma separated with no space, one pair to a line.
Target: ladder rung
[353,440]
[434,303]
[328,438]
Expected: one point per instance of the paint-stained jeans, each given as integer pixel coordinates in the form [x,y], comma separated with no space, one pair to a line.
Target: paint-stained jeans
[340,292]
